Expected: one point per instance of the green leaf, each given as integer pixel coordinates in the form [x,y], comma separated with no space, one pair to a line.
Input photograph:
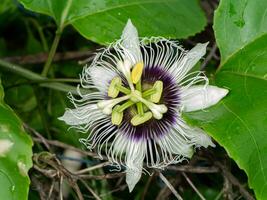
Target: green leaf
[15,154]
[7,5]
[102,21]
[172,19]
[237,22]
[239,121]
[63,11]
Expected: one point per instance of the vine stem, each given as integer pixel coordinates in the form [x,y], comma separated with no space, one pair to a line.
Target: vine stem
[36,77]
[20,70]
[52,52]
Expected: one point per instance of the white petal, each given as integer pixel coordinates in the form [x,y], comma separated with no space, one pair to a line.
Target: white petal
[134,157]
[130,42]
[132,177]
[79,115]
[120,144]
[101,77]
[174,143]
[201,97]
[201,138]
[191,58]
[195,136]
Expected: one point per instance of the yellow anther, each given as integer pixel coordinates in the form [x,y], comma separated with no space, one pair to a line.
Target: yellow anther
[116,116]
[158,87]
[137,72]
[112,90]
[138,119]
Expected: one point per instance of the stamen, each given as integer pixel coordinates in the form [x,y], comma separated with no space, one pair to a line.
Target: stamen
[149,92]
[123,89]
[126,105]
[116,116]
[157,110]
[158,87]
[113,90]
[117,112]
[140,109]
[138,119]
[137,72]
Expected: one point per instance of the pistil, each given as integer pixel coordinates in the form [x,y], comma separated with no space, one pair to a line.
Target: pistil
[138,69]
[157,110]
[125,68]
[107,105]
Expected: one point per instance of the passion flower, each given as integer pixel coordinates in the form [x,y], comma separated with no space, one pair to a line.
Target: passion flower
[138,89]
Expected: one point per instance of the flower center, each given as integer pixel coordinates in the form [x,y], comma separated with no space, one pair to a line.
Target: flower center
[145,102]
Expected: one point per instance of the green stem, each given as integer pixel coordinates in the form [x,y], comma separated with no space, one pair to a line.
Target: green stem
[20,71]
[36,77]
[149,92]
[139,105]
[123,89]
[125,106]
[52,52]
[63,80]
[40,32]
[63,88]
[42,111]
[139,86]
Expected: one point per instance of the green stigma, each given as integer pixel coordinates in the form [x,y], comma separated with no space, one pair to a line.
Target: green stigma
[145,103]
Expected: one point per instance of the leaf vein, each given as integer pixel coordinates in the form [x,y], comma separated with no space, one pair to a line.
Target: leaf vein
[253,139]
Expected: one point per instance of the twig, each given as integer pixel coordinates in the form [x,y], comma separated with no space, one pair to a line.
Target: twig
[57,170]
[91,168]
[121,188]
[219,195]
[61,188]
[119,181]
[51,190]
[90,190]
[47,173]
[66,146]
[227,188]
[194,169]
[75,186]
[39,187]
[42,57]
[168,184]
[85,61]
[38,135]
[193,186]
[235,182]
[147,186]
[100,177]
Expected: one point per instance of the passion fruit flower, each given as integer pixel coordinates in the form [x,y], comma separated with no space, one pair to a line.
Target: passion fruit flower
[138,90]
